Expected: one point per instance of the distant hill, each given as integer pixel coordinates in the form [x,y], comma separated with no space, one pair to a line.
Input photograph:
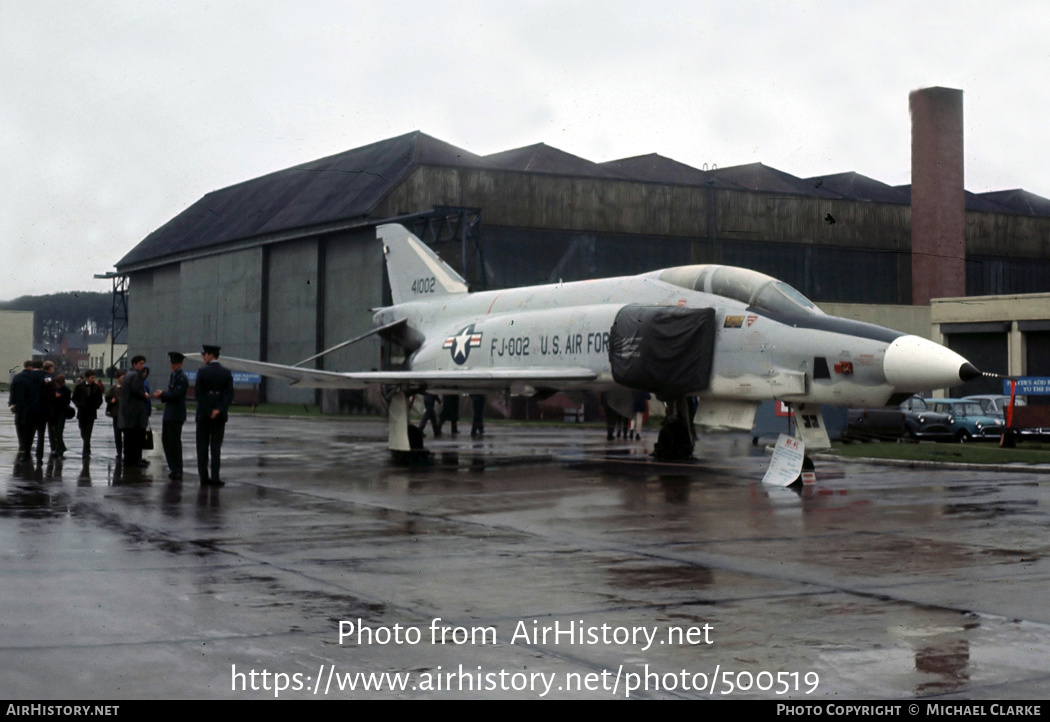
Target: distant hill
[57,314]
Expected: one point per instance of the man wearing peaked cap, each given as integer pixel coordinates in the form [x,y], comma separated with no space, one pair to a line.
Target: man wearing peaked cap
[133,411]
[174,399]
[214,393]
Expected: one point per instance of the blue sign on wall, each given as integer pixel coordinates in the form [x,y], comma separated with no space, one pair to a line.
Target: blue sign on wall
[1029,386]
[239,377]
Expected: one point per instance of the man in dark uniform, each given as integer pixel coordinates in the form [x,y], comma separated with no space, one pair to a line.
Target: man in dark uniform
[16,401]
[134,412]
[429,414]
[477,428]
[214,393]
[449,412]
[87,397]
[31,405]
[174,414]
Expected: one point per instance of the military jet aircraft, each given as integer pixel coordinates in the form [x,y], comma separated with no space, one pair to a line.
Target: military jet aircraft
[731,337]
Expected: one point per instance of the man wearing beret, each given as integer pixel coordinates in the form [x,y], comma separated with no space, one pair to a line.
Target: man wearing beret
[214,393]
[174,414]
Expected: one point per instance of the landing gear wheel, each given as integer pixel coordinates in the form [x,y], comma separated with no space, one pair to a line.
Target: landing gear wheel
[674,442]
[415,437]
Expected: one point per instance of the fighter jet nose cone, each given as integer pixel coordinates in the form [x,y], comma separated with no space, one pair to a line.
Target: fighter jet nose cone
[913,364]
[968,372]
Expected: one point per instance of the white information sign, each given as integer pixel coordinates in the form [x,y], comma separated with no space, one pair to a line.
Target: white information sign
[786,464]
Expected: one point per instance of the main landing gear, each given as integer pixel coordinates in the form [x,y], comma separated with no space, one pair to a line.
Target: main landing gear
[404,439]
[809,426]
[677,435]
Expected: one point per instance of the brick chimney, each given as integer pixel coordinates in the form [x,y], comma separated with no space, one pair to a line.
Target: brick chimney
[938,202]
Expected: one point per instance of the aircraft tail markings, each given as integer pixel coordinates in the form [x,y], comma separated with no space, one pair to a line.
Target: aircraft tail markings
[416,272]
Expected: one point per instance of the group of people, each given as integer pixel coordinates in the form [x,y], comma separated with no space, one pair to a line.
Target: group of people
[626,426]
[450,413]
[40,400]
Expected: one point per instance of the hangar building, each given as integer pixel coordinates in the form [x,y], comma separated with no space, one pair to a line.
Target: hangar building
[283,266]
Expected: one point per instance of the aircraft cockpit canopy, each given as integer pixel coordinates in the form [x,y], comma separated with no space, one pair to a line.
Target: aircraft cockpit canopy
[763,292]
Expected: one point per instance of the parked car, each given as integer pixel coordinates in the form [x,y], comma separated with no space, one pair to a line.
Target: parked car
[996,404]
[913,419]
[969,419]
[923,422]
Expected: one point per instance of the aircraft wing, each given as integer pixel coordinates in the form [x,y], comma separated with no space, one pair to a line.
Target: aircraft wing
[465,380]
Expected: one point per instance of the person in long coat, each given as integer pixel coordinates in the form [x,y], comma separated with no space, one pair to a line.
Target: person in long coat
[113,410]
[134,412]
[56,424]
[87,397]
[16,401]
[27,396]
[213,390]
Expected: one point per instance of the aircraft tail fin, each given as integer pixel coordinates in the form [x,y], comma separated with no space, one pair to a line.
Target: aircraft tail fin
[416,272]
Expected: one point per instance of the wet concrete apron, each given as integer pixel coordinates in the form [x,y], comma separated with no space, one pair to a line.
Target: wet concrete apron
[595,572]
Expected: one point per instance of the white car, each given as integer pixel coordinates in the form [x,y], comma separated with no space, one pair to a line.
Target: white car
[996,405]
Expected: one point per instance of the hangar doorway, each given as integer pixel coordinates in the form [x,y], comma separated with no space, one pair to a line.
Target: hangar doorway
[986,346]
[1037,354]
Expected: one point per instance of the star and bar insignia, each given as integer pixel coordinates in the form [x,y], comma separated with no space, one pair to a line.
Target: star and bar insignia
[461,343]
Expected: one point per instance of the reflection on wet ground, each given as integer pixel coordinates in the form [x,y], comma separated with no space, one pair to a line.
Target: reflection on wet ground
[882,582]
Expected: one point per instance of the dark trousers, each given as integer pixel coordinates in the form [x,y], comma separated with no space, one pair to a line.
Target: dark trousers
[55,430]
[210,433]
[118,437]
[477,428]
[134,440]
[171,438]
[449,412]
[33,425]
[429,415]
[86,425]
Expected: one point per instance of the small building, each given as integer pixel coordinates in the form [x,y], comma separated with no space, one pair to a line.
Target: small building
[16,340]
[105,354]
[1007,334]
[73,351]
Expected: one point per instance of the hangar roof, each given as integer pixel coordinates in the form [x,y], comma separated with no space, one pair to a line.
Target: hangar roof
[347,186]
[983,204]
[1020,201]
[759,177]
[861,188]
[1014,202]
[542,158]
[656,168]
[339,187]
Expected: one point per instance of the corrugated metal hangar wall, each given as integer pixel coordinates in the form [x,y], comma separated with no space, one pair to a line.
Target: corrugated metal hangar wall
[281,302]
[540,228]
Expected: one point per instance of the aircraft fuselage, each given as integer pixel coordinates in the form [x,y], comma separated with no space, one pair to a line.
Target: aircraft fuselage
[806,357]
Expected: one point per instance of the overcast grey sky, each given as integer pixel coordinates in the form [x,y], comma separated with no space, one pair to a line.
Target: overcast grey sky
[116,115]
